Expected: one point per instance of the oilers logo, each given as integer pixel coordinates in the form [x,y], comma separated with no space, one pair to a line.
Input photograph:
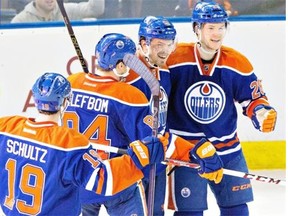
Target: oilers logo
[163,107]
[204,101]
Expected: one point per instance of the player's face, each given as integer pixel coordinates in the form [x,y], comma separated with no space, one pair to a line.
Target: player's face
[46,5]
[212,35]
[159,50]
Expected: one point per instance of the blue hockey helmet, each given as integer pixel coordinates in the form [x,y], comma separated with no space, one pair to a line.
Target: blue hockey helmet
[112,48]
[209,12]
[50,90]
[156,27]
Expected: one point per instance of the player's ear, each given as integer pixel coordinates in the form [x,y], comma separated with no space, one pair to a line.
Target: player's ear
[121,67]
[143,45]
[197,29]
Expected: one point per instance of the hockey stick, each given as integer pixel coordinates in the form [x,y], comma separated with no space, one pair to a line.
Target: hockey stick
[168,161]
[140,68]
[72,36]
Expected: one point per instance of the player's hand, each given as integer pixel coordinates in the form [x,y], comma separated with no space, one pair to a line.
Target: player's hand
[164,140]
[147,151]
[211,166]
[264,118]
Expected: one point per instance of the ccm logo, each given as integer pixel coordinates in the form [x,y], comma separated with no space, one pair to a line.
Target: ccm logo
[207,149]
[140,150]
[241,187]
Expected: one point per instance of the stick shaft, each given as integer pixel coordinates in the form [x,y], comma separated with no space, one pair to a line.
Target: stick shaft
[152,173]
[141,69]
[234,173]
[72,36]
[260,178]
[111,149]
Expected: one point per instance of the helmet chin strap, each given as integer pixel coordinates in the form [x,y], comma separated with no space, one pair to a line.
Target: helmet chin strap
[63,108]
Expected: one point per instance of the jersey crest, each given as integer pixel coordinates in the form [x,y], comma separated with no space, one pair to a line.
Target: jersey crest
[163,106]
[204,101]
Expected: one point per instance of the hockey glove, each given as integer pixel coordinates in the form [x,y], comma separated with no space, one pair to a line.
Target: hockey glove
[264,118]
[211,166]
[147,151]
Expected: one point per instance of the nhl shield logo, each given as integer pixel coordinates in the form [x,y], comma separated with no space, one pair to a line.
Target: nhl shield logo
[204,101]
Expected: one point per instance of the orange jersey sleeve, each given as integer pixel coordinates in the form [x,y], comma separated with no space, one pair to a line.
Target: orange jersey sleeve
[178,147]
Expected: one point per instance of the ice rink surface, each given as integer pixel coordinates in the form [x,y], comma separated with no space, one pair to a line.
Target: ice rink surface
[269,199]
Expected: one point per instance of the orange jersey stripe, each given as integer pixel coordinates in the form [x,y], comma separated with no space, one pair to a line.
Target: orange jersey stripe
[109,87]
[100,182]
[222,145]
[62,137]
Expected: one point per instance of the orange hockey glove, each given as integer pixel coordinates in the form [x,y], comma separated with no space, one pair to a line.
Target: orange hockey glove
[264,118]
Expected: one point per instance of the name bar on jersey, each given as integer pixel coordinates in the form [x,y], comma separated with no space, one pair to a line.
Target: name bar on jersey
[89,102]
[25,150]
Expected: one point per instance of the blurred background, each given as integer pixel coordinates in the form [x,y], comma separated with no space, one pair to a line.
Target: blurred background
[169,8]
[258,29]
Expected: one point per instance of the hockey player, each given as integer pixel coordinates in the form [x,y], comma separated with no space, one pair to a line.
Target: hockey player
[43,165]
[111,112]
[207,78]
[157,40]
[156,37]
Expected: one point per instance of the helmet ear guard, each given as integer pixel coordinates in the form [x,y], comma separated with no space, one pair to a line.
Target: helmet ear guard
[50,90]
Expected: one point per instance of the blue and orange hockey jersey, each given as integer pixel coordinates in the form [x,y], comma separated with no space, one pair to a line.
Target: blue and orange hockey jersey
[163,76]
[43,166]
[201,102]
[107,112]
